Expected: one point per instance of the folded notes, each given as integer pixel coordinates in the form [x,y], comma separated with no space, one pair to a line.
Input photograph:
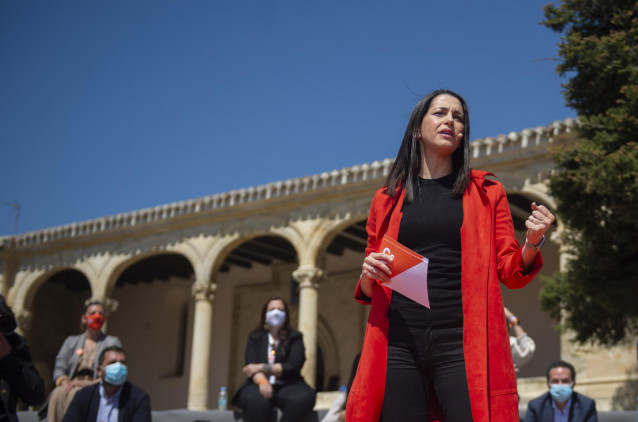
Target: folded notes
[409,271]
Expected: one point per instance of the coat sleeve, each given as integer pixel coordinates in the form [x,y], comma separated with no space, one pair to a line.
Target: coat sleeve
[251,354]
[294,359]
[19,371]
[590,413]
[530,414]
[113,341]
[371,228]
[63,359]
[142,409]
[523,349]
[508,250]
[79,406]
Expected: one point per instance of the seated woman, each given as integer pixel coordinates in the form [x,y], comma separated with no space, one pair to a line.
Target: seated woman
[77,361]
[274,356]
[523,346]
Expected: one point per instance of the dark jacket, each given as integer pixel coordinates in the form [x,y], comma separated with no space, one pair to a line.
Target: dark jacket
[18,378]
[134,406]
[291,355]
[583,409]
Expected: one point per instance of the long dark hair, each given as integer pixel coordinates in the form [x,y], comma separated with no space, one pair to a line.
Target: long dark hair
[284,331]
[407,165]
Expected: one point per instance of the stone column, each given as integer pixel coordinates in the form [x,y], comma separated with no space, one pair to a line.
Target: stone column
[23,320]
[200,355]
[110,306]
[308,276]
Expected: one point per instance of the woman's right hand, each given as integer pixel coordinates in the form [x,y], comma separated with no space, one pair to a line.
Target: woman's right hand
[375,268]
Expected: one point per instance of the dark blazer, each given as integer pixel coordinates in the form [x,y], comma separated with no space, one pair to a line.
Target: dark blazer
[292,356]
[583,409]
[134,406]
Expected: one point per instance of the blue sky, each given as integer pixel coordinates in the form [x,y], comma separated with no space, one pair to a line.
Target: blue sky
[113,106]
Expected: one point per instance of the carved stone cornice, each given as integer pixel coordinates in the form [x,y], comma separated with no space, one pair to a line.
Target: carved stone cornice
[308,276]
[486,150]
[204,291]
[110,305]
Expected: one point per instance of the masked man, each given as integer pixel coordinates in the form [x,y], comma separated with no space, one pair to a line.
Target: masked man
[77,361]
[561,403]
[113,399]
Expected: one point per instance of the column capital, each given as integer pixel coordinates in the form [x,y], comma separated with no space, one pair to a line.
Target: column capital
[204,291]
[23,319]
[110,305]
[308,276]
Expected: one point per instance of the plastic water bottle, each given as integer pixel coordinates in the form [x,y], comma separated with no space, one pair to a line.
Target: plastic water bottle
[222,399]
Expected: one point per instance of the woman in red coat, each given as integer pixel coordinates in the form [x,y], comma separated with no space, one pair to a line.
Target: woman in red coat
[452,361]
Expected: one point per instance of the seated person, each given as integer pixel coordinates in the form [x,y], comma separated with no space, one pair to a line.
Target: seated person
[337,411]
[18,376]
[113,399]
[77,361]
[274,356]
[523,347]
[561,403]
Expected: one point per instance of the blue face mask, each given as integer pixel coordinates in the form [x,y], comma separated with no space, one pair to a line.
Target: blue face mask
[115,373]
[560,392]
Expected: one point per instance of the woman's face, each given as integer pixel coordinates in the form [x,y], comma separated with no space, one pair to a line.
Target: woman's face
[93,309]
[442,127]
[275,304]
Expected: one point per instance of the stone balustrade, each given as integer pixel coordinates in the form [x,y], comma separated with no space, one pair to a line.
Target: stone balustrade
[480,148]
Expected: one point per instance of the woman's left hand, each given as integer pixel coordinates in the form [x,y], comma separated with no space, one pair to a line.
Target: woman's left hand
[538,222]
[265,390]
[252,368]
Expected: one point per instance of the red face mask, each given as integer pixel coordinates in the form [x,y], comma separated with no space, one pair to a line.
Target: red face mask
[95,321]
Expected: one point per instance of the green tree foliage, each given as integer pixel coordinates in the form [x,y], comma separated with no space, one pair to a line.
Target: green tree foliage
[597,183]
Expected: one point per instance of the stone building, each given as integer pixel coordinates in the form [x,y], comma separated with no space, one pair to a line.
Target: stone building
[184,282]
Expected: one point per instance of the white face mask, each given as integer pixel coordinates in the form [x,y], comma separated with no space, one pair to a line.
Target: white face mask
[275,317]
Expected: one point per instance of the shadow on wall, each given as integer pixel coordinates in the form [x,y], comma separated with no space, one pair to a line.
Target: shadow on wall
[624,397]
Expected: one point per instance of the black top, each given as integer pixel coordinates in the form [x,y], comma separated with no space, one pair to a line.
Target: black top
[431,226]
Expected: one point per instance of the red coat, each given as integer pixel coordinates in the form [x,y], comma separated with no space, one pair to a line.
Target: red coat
[490,253]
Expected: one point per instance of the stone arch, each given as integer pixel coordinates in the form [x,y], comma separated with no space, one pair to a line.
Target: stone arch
[240,295]
[154,320]
[125,262]
[337,229]
[224,254]
[55,301]
[29,282]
